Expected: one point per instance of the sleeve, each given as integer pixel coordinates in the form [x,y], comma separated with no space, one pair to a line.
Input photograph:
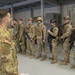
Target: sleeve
[17,30]
[5,50]
[55,32]
[67,33]
[44,32]
[14,55]
[33,30]
[21,32]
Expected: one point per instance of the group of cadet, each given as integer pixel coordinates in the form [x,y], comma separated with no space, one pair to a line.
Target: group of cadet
[23,39]
[40,32]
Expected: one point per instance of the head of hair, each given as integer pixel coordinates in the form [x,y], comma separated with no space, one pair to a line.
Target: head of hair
[15,20]
[21,19]
[3,13]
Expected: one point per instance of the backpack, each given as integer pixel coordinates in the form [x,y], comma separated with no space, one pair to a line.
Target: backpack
[72,39]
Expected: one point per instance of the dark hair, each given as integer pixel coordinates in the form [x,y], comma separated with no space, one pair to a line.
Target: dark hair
[3,13]
[15,20]
[21,19]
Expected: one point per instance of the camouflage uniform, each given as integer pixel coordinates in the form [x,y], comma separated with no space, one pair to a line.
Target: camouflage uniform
[16,34]
[31,33]
[22,38]
[67,30]
[54,33]
[41,35]
[44,38]
[41,38]
[8,58]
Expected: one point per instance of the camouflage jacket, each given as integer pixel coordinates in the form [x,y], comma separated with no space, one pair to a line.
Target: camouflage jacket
[21,31]
[16,27]
[8,56]
[31,30]
[54,31]
[41,31]
[66,31]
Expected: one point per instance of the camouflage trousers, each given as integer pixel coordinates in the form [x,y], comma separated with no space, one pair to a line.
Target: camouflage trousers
[66,50]
[17,44]
[74,51]
[30,47]
[41,46]
[22,45]
[54,48]
[9,68]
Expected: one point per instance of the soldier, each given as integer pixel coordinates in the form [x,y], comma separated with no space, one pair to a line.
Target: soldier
[72,43]
[66,33]
[22,36]
[54,34]
[8,60]
[31,33]
[41,38]
[16,34]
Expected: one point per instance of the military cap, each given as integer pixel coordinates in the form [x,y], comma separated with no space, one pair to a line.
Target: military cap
[30,19]
[67,18]
[53,21]
[39,19]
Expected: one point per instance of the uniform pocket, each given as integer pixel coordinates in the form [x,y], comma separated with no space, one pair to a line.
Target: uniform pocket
[5,48]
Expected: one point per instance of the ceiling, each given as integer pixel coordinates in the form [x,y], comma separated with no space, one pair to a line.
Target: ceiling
[60,1]
[9,2]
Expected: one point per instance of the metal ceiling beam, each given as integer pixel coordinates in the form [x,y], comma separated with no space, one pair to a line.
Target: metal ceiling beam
[23,3]
[53,1]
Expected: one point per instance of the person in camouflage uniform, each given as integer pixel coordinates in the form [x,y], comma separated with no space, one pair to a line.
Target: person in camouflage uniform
[22,36]
[53,35]
[66,33]
[8,58]
[16,34]
[41,38]
[31,33]
[72,43]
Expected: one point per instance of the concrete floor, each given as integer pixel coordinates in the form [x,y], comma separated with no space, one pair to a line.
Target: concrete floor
[36,67]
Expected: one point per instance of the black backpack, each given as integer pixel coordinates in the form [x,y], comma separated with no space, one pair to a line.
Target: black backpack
[72,39]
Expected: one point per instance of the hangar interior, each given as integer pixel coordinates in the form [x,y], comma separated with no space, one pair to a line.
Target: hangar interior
[47,9]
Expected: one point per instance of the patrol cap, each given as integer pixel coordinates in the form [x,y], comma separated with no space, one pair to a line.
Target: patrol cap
[53,21]
[30,19]
[39,19]
[67,18]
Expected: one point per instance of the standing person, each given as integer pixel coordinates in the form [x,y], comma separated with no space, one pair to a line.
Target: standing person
[8,60]
[31,33]
[22,36]
[72,44]
[16,34]
[53,35]
[66,33]
[41,38]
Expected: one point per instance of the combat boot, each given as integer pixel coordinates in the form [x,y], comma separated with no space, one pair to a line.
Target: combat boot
[68,61]
[23,52]
[39,56]
[44,58]
[64,63]
[29,54]
[54,61]
[19,51]
[31,57]
[51,58]
[72,67]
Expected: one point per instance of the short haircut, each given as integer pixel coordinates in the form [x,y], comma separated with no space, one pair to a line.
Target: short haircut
[15,20]
[21,19]
[3,13]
